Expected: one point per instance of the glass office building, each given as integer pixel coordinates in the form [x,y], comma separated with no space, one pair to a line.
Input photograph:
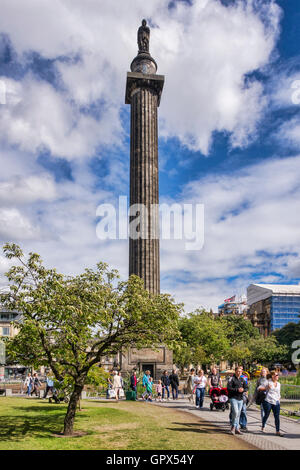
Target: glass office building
[271,306]
[285,308]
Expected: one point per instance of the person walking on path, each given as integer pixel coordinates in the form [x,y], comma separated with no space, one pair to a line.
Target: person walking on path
[121,379]
[236,387]
[133,383]
[109,385]
[35,385]
[28,384]
[121,391]
[159,391]
[149,388]
[174,381]
[165,380]
[146,380]
[260,390]
[214,379]
[243,416]
[49,385]
[272,402]
[190,385]
[117,384]
[200,382]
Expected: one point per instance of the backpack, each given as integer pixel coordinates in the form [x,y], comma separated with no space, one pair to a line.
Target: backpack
[261,395]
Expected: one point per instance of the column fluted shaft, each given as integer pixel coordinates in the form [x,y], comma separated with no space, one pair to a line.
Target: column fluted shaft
[144,251]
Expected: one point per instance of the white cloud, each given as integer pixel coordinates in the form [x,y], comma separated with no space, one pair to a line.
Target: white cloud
[284,87]
[14,225]
[204,49]
[27,190]
[250,214]
[37,117]
[289,133]
[205,71]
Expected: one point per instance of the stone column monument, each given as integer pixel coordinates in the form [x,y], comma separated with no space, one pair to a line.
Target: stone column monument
[143,92]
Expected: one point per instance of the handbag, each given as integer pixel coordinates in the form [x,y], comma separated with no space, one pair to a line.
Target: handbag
[121,393]
[112,393]
[261,395]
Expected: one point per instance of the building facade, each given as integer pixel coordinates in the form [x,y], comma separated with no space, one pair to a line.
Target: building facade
[8,330]
[234,306]
[272,306]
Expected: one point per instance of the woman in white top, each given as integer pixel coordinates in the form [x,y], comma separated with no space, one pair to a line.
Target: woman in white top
[116,384]
[272,402]
[200,382]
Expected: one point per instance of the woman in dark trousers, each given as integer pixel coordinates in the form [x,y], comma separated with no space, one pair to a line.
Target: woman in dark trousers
[272,402]
[174,381]
[133,383]
[165,380]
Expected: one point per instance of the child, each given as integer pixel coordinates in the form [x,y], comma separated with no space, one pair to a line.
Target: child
[159,390]
[149,389]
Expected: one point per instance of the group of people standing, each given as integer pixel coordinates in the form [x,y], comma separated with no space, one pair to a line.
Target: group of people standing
[162,388]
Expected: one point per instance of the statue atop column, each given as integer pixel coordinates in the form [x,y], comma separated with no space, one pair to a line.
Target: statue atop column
[143,37]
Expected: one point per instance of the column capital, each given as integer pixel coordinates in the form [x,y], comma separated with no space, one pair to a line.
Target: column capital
[137,80]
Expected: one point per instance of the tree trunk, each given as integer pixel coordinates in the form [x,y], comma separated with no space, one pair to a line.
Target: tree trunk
[70,416]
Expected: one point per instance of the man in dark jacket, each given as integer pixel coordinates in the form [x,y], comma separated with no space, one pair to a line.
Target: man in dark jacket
[174,381]
[165,381]
[236,387]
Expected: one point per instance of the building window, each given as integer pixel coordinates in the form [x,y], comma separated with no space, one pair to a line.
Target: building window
[5,331]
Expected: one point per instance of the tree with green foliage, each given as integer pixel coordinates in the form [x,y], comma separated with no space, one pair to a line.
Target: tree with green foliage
[239,329]
[286,336]
[265,350]
[204,339]
[70,322]
[239,353]
[207,338]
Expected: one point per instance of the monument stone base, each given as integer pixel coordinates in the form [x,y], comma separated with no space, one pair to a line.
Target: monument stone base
[156,360]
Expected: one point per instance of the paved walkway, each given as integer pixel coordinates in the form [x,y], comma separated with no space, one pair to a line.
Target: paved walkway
[266,441]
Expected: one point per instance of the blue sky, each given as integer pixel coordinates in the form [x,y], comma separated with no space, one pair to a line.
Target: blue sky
[229,134]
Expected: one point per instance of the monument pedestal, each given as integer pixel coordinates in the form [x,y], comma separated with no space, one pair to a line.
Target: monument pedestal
[156,360]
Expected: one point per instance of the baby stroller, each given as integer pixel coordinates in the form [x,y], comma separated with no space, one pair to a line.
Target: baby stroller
[219,398]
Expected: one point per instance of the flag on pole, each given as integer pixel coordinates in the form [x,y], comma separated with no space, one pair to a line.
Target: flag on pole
[232,299]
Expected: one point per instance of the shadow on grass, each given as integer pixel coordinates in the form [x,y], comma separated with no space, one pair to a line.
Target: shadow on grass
[206,428]
[42,423]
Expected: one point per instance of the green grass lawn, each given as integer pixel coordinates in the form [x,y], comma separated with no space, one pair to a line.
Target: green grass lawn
[31,423]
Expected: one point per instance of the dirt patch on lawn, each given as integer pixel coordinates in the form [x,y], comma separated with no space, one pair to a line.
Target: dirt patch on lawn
[75,434]
[116,427]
